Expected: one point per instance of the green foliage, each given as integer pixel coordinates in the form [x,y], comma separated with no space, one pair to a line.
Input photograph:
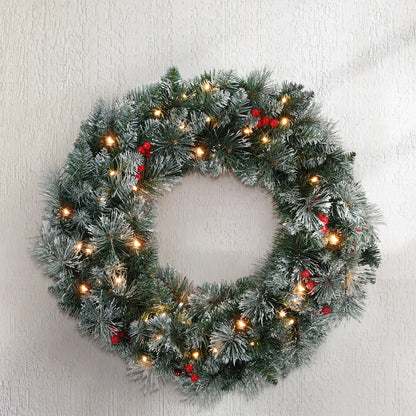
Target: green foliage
[97,245]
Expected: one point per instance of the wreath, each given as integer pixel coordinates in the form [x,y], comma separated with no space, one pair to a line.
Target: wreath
[97,244]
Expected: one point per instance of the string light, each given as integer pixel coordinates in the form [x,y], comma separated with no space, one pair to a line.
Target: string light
[136,243]
[145,358]
[84,288]
[241,324]
[78,246]
[65,212]
[314,180]
[334,239]
[180,304]
[282,314]
[157,112]
[119,280]
[247,131]
[284,100]
[112,173]
[88,250]
[252,343]
[195,354]
[109,141]
[134,188]
[291,321]
[199,151]
[300,288]
[215,350]
[207,87]
[184,95]
[182,126]
[284,121]
[208,119]
[102,199]
[265,139]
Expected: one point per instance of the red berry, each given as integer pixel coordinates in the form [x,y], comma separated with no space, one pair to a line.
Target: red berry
[274,123]
[141,150]
[324,229]
[326,310]
[358,230]
[139,176]
[305,274]
[178,372]
[115,339]
[320,215]
[189,368]
[194,377]
[310,285]
[265,121]
[317,198]
[323,218]
[122,334]
[259,124]
[255,112]
[147,146]
[148,154]
[142,168]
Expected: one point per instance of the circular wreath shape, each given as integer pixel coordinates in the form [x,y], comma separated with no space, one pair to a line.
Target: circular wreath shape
[97,245]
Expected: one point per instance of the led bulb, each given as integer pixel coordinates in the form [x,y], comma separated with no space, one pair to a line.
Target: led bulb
[66,212]
[300,288]
[208,119]
[207,87]
[88,250]
[199,151]
[84,288]
[241,324]
[252,343]
[157,112]
[119,280]
[291,321]
[284,121]
[314,179]
[265,139]
[134,188]
[112,173]
[247,130]
[144,358]
[78,246]
[137,243]
[109,141]
[215,350]
[184,96]
[282,314]
[195,354]
[182,126]
[284,100]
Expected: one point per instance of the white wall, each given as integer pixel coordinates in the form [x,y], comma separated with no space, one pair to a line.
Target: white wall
[58,57]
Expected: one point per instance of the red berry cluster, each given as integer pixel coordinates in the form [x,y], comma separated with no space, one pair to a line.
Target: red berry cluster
[189,369]
[264,121]
[116,335]
[325,220]
[144,150]
[310,284]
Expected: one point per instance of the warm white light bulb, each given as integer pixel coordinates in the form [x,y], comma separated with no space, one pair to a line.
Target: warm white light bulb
[144,358]
[284,121]
[66,212]
[110,141]
[282,314]
[195,355]
[291,322]
[300,288]
[265,139]
[112,172]
[136,243]
[119,280]
[284,100]
[157,112]
[84,288]
[134,188]
[241,324]
[247,130]
[199,151]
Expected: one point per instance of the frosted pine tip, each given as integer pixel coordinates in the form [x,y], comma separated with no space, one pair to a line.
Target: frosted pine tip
[284,121]
[195,354]
[157,112]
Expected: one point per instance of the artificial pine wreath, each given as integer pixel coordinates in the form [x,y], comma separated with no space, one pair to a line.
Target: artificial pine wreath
[97,245]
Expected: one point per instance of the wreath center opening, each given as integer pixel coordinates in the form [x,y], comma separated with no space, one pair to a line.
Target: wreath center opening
[214,229]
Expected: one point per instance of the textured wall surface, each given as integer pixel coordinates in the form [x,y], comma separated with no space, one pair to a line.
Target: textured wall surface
[58,56]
